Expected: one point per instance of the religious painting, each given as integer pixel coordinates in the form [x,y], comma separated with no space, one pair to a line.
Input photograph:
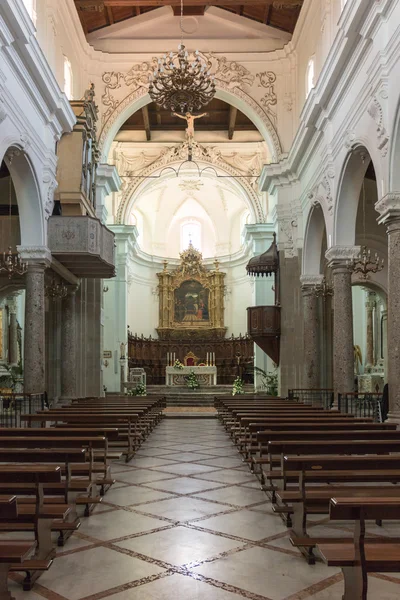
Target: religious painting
[191,301]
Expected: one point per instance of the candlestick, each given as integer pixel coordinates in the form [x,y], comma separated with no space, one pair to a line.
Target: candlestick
[207,360]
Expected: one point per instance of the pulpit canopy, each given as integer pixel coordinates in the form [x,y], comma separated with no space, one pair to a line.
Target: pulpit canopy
[266,263]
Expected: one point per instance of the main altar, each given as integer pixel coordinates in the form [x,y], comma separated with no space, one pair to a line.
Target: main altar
[206,376]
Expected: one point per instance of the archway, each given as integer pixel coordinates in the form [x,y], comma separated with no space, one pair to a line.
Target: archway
[27,191]
[236,97]
[314,242]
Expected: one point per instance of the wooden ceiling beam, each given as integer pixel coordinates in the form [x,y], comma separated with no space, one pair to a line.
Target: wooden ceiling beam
[129,3]
[232,121]
[146,121]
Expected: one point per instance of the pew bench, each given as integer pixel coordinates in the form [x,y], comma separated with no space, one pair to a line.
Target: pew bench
[360,556]
[37,518]
[327,473]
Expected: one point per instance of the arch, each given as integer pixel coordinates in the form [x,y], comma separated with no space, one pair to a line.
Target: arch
[30,207]
[236,97]
[313,240]
[167,160]
[394,175]
[346,206]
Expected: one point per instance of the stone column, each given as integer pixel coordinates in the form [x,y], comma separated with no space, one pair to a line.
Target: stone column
[370,305]
[343,339]
[389,210]
[311,353]
[68,346]
[34,342]
[13,332]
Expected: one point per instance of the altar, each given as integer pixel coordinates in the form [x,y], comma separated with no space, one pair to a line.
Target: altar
[206,375]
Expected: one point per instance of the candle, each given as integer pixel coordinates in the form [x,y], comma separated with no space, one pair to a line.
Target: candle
[207,360]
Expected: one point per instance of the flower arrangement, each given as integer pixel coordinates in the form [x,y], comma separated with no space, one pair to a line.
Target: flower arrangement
[191,381]
[237,386]
[178,365]
[139,390]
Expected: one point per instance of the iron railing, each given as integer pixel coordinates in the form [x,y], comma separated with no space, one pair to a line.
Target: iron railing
[361,405]
[12,406]
[314,397]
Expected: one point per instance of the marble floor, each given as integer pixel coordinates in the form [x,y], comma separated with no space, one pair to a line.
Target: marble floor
[187,521]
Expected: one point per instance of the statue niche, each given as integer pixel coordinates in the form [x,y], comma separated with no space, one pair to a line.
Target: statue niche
[191,299]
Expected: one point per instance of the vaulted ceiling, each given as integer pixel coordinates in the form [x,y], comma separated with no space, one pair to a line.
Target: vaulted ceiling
[97,14]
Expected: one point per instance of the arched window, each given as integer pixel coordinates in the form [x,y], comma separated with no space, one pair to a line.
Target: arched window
[30,6]
[68,79]
[191,232]
[310,75]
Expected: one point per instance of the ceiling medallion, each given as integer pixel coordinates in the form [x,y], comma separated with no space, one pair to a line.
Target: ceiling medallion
[179,83]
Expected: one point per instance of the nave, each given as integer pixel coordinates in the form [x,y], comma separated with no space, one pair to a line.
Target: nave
[187,520]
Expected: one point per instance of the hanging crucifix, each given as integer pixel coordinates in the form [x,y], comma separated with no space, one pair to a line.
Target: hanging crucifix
[189,118]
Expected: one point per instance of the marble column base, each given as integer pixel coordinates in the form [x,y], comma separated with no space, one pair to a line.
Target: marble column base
[393,417]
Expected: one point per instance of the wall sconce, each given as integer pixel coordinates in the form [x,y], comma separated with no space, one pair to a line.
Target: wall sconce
[105,289]
[106,363]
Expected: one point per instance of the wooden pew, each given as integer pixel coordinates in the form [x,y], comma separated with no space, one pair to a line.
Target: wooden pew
[37,518]
[355,472]
[359,556]
[12,552]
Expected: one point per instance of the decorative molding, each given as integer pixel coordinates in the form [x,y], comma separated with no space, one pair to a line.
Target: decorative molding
[349,138]
[388,207]
[38,254]
[210,155]
[375,111]
[321,193]
[50,181]
[339,255]
[230,76]
[3,112]
[287,228]
[311,280]
[288,101]
[267,81]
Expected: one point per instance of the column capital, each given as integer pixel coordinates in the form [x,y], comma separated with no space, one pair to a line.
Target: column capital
[11,302]
[337,256]
[310,281]
[35,255]
[388,208]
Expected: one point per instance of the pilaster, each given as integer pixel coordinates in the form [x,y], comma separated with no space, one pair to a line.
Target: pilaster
[388,208]
[107,182]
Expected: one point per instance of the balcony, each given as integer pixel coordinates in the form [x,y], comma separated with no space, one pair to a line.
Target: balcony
[83,245]
[264,327]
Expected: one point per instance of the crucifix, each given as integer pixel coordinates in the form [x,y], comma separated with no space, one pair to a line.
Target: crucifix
[189,118]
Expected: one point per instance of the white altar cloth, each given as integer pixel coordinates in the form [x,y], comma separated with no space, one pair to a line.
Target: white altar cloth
[205,375]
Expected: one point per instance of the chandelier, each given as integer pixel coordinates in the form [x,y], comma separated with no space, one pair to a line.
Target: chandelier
[180,84]
[10,263]
[323,290]
[56,290]
[362,264]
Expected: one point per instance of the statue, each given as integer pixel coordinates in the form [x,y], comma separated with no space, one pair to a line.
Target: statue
[189,118]
[122,350]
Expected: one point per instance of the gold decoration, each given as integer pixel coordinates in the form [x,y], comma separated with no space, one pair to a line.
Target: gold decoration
[191,299]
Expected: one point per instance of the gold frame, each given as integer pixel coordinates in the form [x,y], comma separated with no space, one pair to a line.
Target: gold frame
[191,268]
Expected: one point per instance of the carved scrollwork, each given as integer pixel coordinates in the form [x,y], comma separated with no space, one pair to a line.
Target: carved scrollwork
[375,111]
[267,81]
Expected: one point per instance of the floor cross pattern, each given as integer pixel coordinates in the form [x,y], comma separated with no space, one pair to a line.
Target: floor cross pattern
[186,520]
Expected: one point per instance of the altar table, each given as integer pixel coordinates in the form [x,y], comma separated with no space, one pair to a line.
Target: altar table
[205,375]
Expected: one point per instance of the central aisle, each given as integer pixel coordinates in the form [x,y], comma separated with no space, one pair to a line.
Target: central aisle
[187,521]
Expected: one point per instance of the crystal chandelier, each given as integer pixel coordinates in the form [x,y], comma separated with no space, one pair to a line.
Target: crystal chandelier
[11,264]
[180,84]
[362,264]
[56,290]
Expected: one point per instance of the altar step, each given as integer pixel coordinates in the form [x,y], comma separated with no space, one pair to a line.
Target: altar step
[181,396]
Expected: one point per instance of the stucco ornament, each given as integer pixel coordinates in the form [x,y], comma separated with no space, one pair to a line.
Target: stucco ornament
[287,228]
[375,111]
[269,100]
[122,89]
[203,154]
[50,181]
[322,194]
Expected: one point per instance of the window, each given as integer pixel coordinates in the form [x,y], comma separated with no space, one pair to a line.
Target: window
[30,6]
[191,233]
[68,80]
[310,75]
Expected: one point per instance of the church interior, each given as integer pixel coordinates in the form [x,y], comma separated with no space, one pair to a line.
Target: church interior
[199,299]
